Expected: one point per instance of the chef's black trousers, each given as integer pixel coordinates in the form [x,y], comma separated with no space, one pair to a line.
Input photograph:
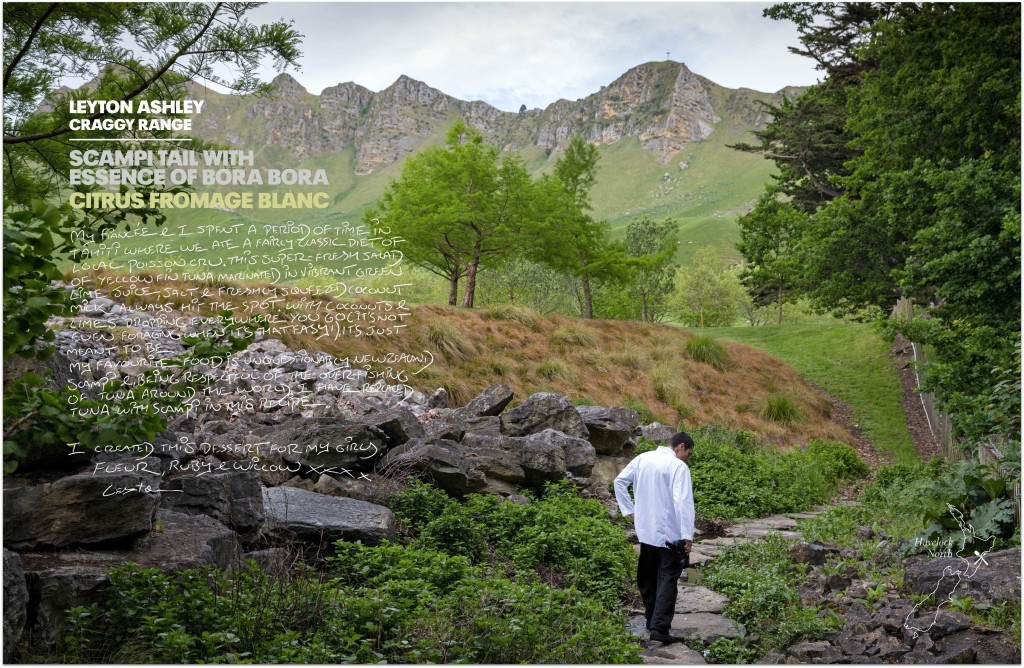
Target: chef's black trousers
[657,577]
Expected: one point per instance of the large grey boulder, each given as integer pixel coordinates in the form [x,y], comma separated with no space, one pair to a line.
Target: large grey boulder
[497,463]
[58,581]
[994,581]
[234,498]
[315,518]
[447,426]
[609,428]
[490,402]
[580,456]
[400,425]
[541,456]
[325,443]
[658,432]
[15,604]
[489,425]
[607,468]
[81,509]
[442,460]
[544,410]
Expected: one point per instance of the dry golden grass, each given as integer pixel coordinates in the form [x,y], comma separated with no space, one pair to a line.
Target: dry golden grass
[608,363]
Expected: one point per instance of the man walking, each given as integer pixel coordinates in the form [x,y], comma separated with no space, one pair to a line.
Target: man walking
[663,516]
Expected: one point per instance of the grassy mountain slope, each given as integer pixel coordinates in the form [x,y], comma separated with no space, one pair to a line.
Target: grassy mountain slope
[851,362]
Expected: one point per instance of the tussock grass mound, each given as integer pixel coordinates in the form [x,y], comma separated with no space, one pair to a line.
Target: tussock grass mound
[668,374]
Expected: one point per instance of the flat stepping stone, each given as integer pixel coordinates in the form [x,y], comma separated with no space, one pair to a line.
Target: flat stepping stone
[810,515]
[773,521]
[723,541]
[707,626]
[761,532]
[699,599]
[676,654]
[700,558]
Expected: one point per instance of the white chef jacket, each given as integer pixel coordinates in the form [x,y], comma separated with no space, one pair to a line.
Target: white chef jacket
[664,497]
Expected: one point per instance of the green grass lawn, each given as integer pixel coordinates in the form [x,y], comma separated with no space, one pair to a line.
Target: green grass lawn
[851,362]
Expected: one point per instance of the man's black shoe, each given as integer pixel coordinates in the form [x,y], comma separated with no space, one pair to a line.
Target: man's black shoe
[665,638]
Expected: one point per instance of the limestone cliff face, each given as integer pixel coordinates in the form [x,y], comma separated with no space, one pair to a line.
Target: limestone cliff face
[664,105]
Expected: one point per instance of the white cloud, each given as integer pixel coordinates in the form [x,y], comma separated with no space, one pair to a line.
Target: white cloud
[529,53]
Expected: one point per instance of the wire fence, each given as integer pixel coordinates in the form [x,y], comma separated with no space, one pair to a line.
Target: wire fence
[940,423]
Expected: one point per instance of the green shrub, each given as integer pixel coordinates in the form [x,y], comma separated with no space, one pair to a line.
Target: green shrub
[731,651]
[760,581]
[982,494]
[385,604]
[733,476]
[701,348]
[457,533]
[838,525]
[419,503]
[644,444]
[564,538]
[574,335]
[779,408]
[838,459]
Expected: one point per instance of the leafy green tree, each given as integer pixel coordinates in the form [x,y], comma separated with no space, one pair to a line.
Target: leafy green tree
[706,294]
[573,241]
[45,44]
[522,281]
[651,247]
[808,139]
[174,44]
[458,207]
[928,202]
[770,242]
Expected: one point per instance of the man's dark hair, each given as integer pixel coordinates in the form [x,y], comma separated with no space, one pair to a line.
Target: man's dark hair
[681,438]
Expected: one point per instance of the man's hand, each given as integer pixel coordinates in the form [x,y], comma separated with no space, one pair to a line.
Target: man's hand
[687,544]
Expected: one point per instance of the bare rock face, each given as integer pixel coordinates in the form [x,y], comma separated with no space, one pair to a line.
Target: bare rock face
[15,603]
[233,498]
[315,518]
[82,509]
[609,428]
[491,401]
[544,410]
[330,445]
[442,460]
[998,580]
[58,581]
[663,104]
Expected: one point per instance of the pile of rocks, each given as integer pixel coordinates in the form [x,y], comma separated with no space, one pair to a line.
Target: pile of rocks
[893,628]
[241,472]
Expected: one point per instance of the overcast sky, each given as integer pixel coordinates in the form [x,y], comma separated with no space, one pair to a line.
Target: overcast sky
[534,53]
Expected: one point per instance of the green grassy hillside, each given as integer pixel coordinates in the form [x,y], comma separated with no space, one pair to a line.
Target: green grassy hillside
[849,361]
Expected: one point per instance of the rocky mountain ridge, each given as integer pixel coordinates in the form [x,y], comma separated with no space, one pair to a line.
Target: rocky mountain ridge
[663,104]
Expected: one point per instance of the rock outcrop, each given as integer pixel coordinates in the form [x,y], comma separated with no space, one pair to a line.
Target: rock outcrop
[238,468]
[310,517]
[663,105]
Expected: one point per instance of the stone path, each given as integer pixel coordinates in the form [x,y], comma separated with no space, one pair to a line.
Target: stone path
[698,609]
